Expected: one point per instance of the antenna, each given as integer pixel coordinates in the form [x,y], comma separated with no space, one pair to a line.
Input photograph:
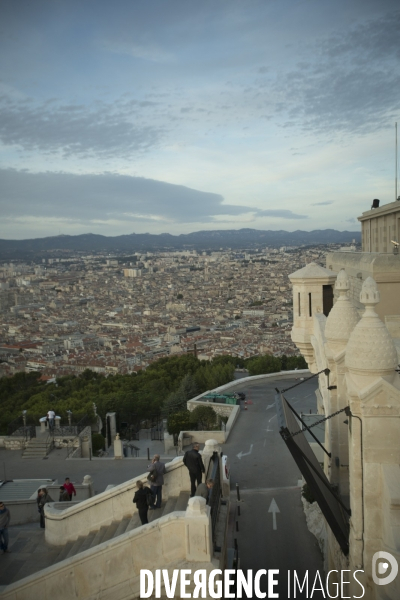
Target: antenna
[395,184]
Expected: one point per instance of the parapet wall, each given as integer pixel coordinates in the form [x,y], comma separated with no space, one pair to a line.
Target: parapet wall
[112,569]
[67,525]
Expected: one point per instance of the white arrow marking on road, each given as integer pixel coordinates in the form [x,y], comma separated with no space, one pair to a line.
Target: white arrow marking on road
[245,453]
[270,406]
[274,509]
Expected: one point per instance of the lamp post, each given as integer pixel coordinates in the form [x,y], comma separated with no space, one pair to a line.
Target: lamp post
[24,417]
[69,413]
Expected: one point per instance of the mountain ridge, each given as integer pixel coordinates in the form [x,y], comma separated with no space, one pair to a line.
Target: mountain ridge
[197,240]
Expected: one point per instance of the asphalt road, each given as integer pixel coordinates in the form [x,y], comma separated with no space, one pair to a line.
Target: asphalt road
[268,476]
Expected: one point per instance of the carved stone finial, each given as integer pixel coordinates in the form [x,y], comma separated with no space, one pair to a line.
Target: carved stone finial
[343,316]
[371,352]
[370,295]
[342,282]
[117,436]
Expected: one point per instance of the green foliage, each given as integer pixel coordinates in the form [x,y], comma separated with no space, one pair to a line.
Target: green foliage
[290,363]
[188,389]
[98,443]
[263,364]
[273,364]
[178,422]
[257,303]
[176,378]
[204,417]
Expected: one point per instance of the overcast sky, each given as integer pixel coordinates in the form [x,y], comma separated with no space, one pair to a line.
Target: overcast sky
[177,116]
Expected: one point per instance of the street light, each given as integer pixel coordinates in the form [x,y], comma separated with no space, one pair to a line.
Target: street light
[69,413]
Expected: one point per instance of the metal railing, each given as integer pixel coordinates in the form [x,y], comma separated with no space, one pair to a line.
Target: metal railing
[214,499]
[22,428]
[78,428]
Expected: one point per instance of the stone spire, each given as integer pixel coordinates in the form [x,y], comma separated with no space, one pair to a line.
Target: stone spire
[343,316]
[370,352]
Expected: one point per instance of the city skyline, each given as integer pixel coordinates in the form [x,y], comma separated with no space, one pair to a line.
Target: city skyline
[176,117]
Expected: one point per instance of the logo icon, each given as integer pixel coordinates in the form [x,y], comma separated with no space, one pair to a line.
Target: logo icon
[386,560]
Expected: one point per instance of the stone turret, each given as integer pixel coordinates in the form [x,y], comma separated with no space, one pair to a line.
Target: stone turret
[343,317]
[370,352]
[312,295]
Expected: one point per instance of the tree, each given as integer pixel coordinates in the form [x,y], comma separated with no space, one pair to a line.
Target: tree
[263,364]
[204,417]
[178,422]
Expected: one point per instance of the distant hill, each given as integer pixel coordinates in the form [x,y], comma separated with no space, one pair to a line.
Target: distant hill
[199,240]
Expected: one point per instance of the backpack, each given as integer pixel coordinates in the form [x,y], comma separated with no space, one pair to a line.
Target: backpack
[152,476]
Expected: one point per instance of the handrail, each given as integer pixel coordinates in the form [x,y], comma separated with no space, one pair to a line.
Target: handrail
[214,499]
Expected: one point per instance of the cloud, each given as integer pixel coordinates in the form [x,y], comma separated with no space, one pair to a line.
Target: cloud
[102,130]
[280,214]
[321,203]
[108,196]
[350,86]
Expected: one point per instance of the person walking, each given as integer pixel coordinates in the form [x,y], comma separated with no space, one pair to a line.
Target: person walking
[4,523]
[156,475]
[195,466]
[42,499]
[142,498]
[51,415]
[69,486]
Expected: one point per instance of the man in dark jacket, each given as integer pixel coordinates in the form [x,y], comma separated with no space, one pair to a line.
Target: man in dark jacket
[142,498]
[194,463]
[158,468]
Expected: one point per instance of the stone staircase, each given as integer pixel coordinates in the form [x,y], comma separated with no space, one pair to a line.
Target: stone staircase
[38,447]
[30,553]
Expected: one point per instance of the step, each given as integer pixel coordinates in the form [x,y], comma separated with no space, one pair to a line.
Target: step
[134,522]
[76,546]
[64,552]
[182,501]
[99,536]
[88,541]
[169,507]
[122,526]
[111,529]
[152,515]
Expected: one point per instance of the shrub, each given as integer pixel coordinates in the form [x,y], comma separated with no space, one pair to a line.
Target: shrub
[98,442]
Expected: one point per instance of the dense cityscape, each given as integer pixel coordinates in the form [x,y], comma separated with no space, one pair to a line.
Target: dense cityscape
[117,314]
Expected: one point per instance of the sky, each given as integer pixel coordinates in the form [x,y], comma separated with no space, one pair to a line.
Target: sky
[174,116]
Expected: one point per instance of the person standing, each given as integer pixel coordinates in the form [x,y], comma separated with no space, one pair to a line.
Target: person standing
[157,480]
[142,498]
[64,496]
[195,466]
[51,415]
[69,486]
[4,523]
[42,499]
